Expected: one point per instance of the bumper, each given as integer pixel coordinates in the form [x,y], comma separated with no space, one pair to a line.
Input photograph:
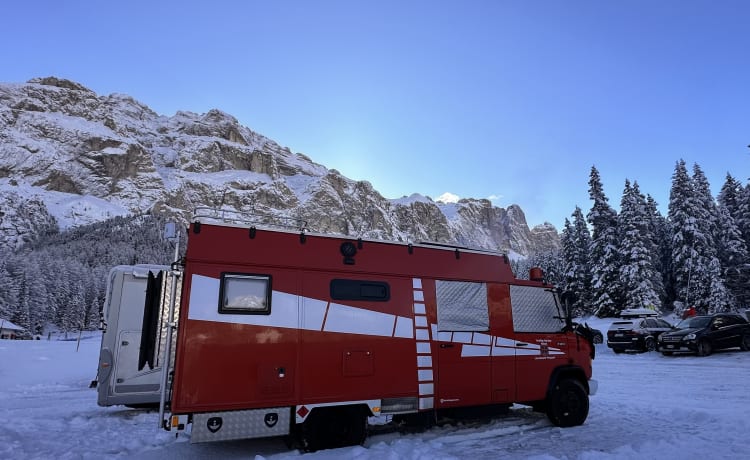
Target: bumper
[678,346]
[635,343]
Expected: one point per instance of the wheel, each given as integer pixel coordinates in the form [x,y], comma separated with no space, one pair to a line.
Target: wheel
[568,403]
[598,338]
[745,342]
[704,348]
[333,427]
[650,344]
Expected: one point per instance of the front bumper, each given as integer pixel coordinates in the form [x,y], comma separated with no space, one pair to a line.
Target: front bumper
[685,345]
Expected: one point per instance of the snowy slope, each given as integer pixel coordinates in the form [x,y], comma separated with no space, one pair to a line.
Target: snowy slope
[648,406]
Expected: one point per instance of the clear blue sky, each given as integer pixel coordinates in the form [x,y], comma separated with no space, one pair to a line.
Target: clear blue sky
[516,99]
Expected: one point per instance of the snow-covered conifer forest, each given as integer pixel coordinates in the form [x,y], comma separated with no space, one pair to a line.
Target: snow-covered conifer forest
[695,255]
[58,281]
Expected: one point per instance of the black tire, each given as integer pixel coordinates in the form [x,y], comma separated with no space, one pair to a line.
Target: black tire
[704,347]
[745,342]
[568,403]
[649,344]
[333,427]
[598,338]
[617,350]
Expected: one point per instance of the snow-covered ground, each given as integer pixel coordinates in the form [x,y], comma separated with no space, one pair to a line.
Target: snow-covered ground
[648,407]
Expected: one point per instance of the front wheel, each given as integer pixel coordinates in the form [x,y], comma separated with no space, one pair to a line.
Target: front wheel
[568,403]
[598,338]
[704,348]
[650,344]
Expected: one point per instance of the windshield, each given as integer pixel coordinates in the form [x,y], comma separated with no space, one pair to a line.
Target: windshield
[694,323]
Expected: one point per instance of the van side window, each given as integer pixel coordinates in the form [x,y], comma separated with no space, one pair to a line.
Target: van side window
[245,294]
[535,310]
[377,291]
[462,306]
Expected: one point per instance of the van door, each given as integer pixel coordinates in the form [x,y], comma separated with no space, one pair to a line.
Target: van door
[128,378]
[503,348]
[464,344]
[540,346]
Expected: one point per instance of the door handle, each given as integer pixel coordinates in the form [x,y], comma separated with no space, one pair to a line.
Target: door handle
[446,345]
[521,344]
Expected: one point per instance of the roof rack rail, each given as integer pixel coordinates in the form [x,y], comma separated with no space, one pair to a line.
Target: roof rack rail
[456,246]
[443,245]
[230,216]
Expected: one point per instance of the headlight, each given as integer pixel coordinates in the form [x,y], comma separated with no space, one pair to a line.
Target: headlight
[690,336]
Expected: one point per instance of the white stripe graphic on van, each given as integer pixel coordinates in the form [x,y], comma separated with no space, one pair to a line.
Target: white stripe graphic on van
[318,315]
[425,377]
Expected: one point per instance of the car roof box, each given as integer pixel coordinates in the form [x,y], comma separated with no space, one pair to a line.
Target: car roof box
[638,313]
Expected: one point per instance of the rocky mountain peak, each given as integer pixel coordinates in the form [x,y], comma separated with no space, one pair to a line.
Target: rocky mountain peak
[78,158]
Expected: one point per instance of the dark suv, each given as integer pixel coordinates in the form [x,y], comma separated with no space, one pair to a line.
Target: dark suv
[703,334]
[638,334]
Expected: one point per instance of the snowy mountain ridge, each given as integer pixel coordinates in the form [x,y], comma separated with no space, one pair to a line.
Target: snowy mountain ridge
[72,155]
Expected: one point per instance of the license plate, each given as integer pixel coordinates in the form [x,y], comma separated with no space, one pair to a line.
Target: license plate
[618,335]
[670,346]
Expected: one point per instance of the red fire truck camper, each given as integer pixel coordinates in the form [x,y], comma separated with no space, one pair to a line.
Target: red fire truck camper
[289,333]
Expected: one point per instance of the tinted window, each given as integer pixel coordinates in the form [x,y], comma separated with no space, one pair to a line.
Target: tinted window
[377,291]
[694,323]
[663,323]
[651,323]
[732,320]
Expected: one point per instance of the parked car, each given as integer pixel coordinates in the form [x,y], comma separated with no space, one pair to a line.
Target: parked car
[597,337]
[704,334]
[638,334]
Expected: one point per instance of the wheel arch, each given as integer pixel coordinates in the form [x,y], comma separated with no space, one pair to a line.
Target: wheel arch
[370,407]
[568,372]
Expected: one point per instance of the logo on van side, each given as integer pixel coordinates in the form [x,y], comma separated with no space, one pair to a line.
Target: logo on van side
[270,419]
[214,424]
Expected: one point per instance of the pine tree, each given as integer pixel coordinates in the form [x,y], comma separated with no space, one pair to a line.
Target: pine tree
[37,296]
[733,258]
[576,243]
[719,297]
[742,219]
[637,273]
[5,280]
[606,290]
[692,216]
[660,229]
[730,196]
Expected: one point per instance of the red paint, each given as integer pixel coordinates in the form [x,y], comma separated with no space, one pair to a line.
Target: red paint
[225,366]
